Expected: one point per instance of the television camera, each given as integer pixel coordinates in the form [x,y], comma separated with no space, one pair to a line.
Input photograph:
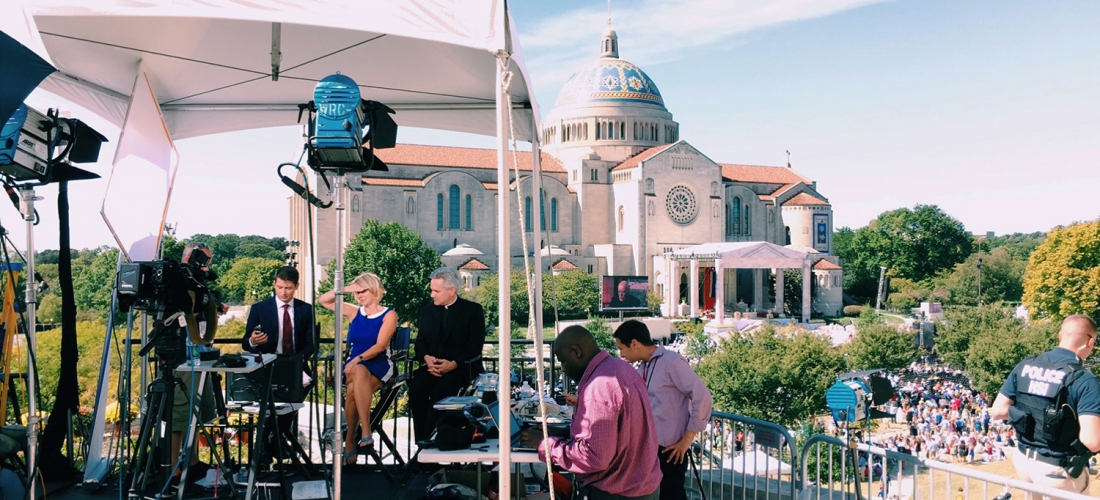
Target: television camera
[852,398]
[168,290]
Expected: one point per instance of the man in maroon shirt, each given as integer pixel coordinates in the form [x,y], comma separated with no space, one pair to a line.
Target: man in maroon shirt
[613,444]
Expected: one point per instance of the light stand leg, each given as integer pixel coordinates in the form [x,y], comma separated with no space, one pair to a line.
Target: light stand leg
[27,210]
[338,341]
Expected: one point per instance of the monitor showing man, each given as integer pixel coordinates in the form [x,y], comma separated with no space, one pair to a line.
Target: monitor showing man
[624,293]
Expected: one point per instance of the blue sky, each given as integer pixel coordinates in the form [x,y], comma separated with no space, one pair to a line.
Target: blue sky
[987,109]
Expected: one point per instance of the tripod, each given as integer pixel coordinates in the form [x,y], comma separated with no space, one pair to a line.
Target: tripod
[159,401]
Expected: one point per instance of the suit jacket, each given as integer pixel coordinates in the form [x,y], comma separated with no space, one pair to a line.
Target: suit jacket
[264,315]
[459,336]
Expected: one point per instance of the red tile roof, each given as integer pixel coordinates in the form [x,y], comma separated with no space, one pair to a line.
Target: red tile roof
[446,156]
[805,199]
[382,181]
[564,265]
[637,159]
[824,265]
[761,174]
[474,265]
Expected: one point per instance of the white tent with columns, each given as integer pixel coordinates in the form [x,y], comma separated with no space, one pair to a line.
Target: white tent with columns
[755,255]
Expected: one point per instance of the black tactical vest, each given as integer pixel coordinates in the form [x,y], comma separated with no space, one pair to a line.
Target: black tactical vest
[1041,413]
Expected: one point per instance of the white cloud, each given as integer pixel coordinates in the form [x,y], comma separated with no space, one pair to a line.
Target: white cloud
[655,31]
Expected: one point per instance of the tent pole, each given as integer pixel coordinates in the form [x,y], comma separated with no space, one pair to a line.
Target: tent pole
[504,268]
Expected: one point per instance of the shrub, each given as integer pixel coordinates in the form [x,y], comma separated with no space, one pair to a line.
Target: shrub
[853,311]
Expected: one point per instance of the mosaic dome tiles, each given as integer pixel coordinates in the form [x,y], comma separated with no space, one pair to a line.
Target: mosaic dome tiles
[609,80]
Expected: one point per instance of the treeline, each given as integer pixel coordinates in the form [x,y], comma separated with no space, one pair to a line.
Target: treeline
[245,266]
[929,256]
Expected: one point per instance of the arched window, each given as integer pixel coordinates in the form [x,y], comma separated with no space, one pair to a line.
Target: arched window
[729,219]
[622,130]
[599,128]
[542,212]
[469,211]
[736,215]
[788,235]
[454,207]
[439,211]
[527,214]
[748,221]
[622,215]
[553,214]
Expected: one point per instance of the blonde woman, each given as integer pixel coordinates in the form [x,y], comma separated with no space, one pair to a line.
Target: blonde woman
[368,364]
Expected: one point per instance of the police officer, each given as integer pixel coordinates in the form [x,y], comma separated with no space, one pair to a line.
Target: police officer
[1054,405]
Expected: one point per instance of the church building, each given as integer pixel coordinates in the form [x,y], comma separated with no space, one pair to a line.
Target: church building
[620,191]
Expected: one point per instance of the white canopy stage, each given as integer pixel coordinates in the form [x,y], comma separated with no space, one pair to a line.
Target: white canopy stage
[755,255]
[224,65]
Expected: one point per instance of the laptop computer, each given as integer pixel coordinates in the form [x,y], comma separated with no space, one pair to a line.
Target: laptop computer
[516,427]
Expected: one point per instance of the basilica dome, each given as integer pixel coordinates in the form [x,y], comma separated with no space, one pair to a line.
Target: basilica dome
[609,80]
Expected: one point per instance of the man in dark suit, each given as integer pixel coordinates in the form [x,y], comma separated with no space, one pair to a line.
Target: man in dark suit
[281,325]
[448,346]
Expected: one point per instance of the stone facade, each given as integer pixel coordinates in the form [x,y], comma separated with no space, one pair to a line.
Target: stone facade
[620,187]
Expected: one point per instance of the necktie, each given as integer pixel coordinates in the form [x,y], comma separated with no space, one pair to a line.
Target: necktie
[288,331]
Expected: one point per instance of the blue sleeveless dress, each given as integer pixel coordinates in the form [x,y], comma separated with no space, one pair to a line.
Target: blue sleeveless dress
[362,335]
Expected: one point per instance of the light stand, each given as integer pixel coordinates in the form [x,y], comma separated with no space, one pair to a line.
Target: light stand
[26,209]
[338,344]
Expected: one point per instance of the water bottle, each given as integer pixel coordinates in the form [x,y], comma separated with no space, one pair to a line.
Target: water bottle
[193,357]
[526,391]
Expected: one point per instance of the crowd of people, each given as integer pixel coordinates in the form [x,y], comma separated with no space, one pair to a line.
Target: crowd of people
[943,418]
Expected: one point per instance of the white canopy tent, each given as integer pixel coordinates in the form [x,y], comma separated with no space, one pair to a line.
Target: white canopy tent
[756,463]
[755,255]
[224,65]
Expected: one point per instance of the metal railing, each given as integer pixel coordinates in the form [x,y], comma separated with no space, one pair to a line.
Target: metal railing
[740,458]
[830,471]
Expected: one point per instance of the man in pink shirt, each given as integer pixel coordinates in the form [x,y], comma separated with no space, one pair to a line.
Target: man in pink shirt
[613,445]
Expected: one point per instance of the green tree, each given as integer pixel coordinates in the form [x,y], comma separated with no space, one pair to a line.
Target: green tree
[994,353]
[1018,245]
[913,243]
[49,309]
[778,376]
[260,250]
[400,259]
[601,331]
[1063,274]
[172,248]
[578,293]
[1002,279]
[963,326]
[92,285]
[249,280]
[881,346]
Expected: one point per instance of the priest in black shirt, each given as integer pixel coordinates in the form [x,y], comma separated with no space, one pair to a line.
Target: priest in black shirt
[448,347]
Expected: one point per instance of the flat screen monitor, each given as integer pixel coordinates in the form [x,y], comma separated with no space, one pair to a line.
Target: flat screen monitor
[624,293]
[286,382]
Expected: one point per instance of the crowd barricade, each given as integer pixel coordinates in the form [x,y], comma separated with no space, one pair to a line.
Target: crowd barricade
[741,458]
[828,473]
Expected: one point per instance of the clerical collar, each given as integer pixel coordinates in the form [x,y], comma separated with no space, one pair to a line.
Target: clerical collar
[448,306]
